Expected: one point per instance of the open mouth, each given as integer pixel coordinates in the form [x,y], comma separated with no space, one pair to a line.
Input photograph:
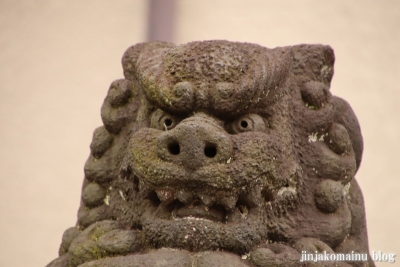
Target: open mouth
[215,212]
[202,207]
[172,204]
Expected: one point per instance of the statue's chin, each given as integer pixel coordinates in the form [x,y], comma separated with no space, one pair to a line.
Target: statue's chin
[202,232]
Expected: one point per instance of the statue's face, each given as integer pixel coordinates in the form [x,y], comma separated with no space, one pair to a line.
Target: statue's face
[220,146]
[230,145]
[212,156]
[208,181]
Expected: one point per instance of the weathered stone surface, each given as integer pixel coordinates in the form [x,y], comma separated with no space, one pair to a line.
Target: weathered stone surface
[88,216]
[119,242]
[219,146]
[93,195]
[102,239]
[217,259]
[158,258]
[67,238]
[102,141]
[275,255]
[329,195]
[61,261]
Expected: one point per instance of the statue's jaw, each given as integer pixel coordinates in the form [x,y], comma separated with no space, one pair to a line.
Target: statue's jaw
[199,229]
[208,220]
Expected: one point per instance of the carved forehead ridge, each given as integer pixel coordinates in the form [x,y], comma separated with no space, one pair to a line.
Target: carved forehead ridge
[221,76]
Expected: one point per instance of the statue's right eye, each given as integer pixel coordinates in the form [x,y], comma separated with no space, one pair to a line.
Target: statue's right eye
[163,121]
[247,123]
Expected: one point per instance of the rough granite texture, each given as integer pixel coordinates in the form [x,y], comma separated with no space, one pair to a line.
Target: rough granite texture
[218,153]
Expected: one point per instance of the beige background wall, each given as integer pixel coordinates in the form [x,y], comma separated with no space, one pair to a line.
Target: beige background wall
[58,57]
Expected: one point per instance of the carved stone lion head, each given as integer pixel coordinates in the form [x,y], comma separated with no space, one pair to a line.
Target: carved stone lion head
[226,146]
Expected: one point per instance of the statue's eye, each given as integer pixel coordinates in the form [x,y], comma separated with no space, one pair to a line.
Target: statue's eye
[163,121]
[247,123]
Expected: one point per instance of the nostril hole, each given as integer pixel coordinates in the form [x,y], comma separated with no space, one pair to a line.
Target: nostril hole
[244,124]
[174,148]
[168,122]
[210,151]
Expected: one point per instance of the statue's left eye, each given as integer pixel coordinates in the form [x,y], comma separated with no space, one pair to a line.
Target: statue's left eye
[163,121]
[247,123]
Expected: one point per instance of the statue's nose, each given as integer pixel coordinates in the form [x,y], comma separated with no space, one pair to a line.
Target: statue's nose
[195,142]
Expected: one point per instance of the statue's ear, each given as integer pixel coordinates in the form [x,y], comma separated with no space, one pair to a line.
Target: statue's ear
[313,63]
[345,115]
[133,54]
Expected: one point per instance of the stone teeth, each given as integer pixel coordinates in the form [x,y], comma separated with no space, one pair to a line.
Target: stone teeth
[286,193]
[207,200]
[166,195]
[229,202]
[252,197]
[286,190]
[186,197]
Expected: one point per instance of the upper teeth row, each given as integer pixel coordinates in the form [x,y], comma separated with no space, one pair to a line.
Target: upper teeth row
[251,198]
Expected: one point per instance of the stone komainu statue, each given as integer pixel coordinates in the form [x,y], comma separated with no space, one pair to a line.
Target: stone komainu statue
[218,153]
